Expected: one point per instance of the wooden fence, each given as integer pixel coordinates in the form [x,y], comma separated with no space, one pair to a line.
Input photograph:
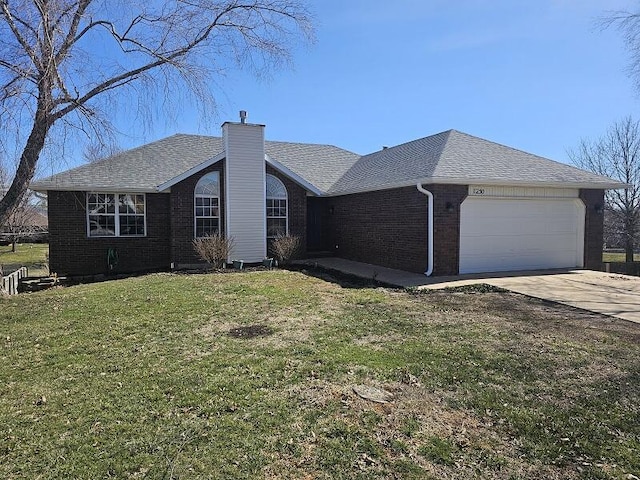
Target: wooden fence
[10,282]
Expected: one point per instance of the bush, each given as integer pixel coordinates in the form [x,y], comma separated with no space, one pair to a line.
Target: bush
[214,249]
[286,247]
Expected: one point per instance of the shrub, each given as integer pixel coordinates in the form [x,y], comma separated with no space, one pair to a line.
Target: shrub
[286,247]
[214,249]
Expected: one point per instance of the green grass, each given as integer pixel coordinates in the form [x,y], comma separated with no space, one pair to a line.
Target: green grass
[140,378]
[34,256]
[618,257]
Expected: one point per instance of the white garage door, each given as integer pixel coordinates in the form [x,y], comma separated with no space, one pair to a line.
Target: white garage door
[506,234]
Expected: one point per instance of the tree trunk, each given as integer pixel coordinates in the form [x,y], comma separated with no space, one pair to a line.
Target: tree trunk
[13,246]
[628,248]
[27,166]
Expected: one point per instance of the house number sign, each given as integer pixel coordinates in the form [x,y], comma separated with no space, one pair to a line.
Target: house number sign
[478,191]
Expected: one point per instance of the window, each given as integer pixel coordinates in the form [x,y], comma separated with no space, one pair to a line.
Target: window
[207,205]
[116,215]
[131,215]
[276,207]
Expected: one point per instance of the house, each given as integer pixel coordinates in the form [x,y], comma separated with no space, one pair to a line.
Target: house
[445,204]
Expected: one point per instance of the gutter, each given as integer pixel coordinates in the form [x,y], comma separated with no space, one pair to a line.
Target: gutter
[430,227]
[613,185]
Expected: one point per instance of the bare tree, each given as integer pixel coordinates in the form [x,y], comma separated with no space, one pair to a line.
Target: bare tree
[614,236]
[628,23]
[97,150]
[22,223]
[67,63]
[617,155]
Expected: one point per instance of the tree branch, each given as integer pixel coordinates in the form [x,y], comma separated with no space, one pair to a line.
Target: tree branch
[6,13]
[51,76]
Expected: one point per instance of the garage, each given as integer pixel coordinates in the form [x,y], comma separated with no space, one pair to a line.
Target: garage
[506,234]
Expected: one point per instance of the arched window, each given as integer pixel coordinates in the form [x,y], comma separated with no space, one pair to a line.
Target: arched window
[207,205]
[276,207]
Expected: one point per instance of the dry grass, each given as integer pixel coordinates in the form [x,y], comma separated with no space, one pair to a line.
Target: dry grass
[416,414]
[251,375]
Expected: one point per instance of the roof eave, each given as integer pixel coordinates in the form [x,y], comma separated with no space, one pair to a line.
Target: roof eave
[44,188]
[482,181]
[604,185]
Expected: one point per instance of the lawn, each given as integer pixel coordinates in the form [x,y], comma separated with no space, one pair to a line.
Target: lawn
[251,375]
[618,257]
[34,256]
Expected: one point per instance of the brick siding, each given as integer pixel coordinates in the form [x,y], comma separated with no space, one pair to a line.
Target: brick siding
[446,227]
[182,223]
[296,205]
[72,252]
[170,229]
[389,228]
[182,214]
[593,228]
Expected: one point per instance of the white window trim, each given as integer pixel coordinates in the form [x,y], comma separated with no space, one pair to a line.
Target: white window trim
[286,199]
[196,196]
[116,215]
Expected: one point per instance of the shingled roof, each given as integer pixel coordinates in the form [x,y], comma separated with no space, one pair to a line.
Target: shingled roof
[454,157]
[449,157]
[146,168]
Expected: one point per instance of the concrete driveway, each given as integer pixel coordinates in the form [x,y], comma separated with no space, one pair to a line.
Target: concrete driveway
[600,292]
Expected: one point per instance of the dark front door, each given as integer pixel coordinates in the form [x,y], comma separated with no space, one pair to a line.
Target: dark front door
[314,224]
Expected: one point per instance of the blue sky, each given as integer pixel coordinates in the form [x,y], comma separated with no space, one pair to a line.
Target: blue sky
[537,75]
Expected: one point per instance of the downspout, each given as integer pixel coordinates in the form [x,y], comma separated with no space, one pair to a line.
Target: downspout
[430,227]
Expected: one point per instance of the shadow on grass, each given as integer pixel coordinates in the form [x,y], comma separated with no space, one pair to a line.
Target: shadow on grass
[345,280]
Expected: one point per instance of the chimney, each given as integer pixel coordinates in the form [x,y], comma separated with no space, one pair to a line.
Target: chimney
[244,173]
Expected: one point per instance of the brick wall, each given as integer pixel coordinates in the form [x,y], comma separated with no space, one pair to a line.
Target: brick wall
[389,228]
[183,212]
[446,227]
[386,227]
[297,205]
[71,252]
[593,228]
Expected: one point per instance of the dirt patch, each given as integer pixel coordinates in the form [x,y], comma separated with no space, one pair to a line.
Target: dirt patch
[291,324]
[287,327]
[251,331]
